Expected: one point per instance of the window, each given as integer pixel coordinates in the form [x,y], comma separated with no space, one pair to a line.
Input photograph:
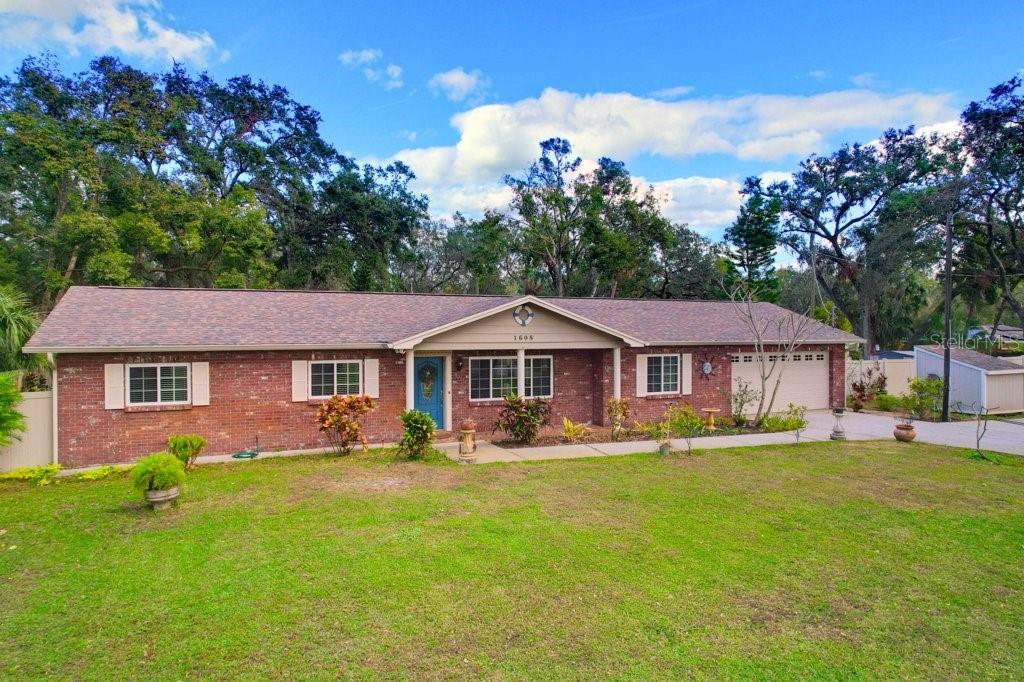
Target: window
[662,374]
[494,378]
[334,378]
[158,384]
[538,377]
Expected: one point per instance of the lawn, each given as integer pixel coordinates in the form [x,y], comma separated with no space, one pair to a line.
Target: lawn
[856,560]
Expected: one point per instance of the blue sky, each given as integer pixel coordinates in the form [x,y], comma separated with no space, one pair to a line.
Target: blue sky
[692,95]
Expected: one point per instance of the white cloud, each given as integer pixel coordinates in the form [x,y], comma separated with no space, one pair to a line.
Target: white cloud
[703,203]
[389,77]
[672,93]
[457,84]
[495,139]
[409,135]
[359,57]
[864,80]
[818,74]
[132,27]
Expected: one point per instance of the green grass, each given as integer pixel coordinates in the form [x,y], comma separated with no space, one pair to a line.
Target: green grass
[855,560]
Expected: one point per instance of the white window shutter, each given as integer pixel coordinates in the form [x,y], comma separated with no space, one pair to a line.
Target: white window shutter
[300,392]
[686,373]
[641,375]
[371,377]
[200,383]
[113,387]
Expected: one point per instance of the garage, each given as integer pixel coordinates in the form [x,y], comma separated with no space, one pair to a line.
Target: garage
[804,378]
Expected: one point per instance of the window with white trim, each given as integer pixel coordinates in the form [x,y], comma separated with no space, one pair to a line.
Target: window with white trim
[538,376]
[337,377]
[158,384]
[662,374]
[494,378]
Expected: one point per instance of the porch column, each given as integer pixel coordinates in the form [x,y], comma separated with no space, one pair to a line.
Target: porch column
[521,372]
[616,373]
[410,379]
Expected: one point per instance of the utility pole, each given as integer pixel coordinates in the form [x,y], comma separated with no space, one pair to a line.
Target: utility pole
[948,314]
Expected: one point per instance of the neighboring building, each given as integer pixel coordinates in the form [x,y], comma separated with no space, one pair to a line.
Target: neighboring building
[976,380]
[134,365]
[1003,333]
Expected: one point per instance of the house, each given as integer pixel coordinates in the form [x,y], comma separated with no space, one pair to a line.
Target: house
[976,380]
[1001,333]
[135,365]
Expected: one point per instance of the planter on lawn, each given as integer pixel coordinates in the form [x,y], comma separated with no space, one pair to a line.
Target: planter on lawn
[161,499]
[904,433]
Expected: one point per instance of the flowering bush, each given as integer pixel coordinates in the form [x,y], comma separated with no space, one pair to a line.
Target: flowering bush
[339,419]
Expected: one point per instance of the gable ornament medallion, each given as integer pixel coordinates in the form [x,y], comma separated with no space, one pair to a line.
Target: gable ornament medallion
[523,315]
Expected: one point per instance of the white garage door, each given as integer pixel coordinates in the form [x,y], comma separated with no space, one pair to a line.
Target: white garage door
[804,379]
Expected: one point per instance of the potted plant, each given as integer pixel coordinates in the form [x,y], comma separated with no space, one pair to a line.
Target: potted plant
[158,477]
[904,431]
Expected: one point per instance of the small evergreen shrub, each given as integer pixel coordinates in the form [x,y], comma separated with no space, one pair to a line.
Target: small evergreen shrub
[159,471]
[186,448]
[521,419]
[40,475]
[339,418]
[572,432]
[417,434]
[889,403]
[743,396]
[794,419]
[102,472]
[924,397]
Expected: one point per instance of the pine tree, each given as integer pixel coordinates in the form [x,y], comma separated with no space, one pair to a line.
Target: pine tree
[751,241]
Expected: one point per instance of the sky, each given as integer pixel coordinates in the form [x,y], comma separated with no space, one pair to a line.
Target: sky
[693,96]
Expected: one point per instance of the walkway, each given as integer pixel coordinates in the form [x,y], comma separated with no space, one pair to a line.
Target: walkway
[1001,437]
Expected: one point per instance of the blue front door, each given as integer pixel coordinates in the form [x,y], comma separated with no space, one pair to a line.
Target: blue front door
[430,388]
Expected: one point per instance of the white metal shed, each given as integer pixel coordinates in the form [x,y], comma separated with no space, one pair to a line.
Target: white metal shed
[975,379]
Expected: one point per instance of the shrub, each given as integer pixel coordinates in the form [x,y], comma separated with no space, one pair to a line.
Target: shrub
[186,448]
[521,419]
[651,429]
[870,385]
[12,422]
[684,422]
[102,472]
[40,475]
[742,397]
[618,413]
[417,434]
[339,418]
[573,432]
[924,397]
[794,419]
[159,471]
[888,403]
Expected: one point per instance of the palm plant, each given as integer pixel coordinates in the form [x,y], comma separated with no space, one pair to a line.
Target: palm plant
[17,324]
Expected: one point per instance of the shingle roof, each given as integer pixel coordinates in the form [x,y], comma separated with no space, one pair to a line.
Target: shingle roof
[98,318]
[989,363]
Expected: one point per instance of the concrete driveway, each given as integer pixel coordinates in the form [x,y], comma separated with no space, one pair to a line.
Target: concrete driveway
[1000,437]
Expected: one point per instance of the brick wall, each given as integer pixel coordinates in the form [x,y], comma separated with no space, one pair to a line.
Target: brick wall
[250,395]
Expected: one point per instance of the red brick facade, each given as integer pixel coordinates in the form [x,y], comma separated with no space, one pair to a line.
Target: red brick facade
[250,396]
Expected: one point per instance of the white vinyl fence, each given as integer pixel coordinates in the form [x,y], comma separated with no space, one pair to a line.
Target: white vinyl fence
[897,373]
[36,445]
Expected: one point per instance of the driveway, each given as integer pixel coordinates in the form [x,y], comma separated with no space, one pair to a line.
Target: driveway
[1000,437]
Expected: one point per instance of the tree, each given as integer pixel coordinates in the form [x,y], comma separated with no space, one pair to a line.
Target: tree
[831,217]
[17,324]
[589,233]
[688,267]
[752,240]
[992,161]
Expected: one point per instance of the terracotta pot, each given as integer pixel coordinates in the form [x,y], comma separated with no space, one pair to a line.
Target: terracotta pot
[904,433]
[161,499]
[468,424]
